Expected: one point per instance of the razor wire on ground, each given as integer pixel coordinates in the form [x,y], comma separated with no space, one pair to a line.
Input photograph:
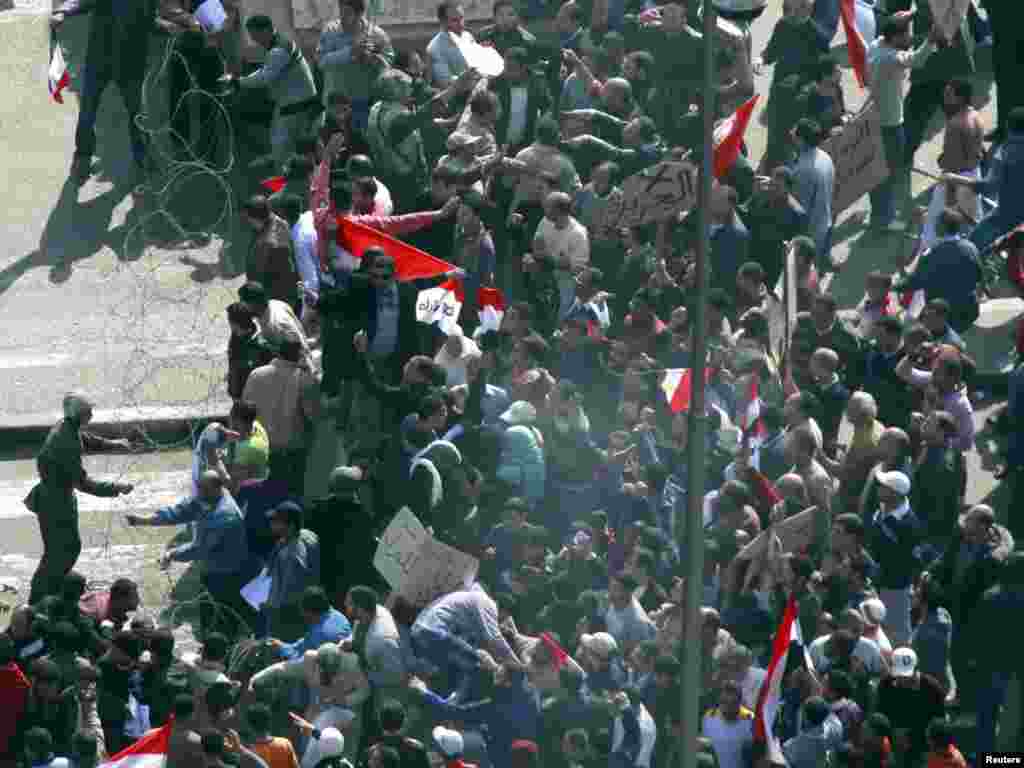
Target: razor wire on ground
[147,378]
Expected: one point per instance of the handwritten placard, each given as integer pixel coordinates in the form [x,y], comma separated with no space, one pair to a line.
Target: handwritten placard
[948,15]
[416,565]
[8,602]
[795,534]
[655,194]
[859,158]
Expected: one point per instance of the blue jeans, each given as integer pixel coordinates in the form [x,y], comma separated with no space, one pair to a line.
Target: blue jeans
[455,657]
[883,197]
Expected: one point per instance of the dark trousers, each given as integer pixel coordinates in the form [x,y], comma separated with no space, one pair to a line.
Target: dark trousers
[921,102]
[61,548]
[100,70]
[226,611]
[1005,52]
[883,197]
[195,68]
[289,468]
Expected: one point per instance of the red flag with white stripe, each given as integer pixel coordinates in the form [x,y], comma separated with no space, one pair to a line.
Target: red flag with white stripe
[728,136]
[678,387]
[492,308]
[148,752]
[58,76]
[770,695]
[858,50]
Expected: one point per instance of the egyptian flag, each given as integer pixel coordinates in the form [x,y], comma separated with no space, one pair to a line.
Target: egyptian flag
[855,45]
[148,752]
[410,263]
[678,387]
[441,305]
[728,136]
[273,184]
[492,308]
[750,420]
[770,695]
[58,77]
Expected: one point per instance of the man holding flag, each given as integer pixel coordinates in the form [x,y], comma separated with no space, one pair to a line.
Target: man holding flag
[118,51]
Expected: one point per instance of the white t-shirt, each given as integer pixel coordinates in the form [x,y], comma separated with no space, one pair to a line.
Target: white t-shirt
[730,739]
[516,115]
[570,244]
[306,259]
[866,651]
[382,204]
[648,735]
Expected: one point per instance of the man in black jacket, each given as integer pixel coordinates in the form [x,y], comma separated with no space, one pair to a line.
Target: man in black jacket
[118,51]
[516,132]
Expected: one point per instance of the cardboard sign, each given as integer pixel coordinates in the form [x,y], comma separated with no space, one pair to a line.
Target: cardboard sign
[654,194]
[948,15]
[8,602]
[795,533]
[419,567]
[859,158]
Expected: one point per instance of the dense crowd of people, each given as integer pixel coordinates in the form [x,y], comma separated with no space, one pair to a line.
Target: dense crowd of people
[547,434]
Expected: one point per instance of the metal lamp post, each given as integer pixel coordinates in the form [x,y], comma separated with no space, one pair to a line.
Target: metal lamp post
[690,651]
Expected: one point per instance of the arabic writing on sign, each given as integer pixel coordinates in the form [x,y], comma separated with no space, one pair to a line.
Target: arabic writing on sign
[416,565]
[859,158]
[655,194]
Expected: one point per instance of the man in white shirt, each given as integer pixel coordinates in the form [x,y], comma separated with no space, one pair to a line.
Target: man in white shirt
[730,727]
[304,245]
[889,59]
[447,61]
[561,238]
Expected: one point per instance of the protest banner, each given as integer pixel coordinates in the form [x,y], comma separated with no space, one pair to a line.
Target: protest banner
[948,15]
[416,565]
[655,194]
[859,158]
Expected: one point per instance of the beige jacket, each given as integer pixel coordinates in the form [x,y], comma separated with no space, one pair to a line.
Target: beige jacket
[287,397]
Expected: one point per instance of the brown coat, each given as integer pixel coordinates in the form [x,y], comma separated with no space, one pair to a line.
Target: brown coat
[272,261]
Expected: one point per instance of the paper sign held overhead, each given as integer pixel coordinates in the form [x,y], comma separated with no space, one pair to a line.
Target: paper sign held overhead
[211,15]
[655,194]
[416,565]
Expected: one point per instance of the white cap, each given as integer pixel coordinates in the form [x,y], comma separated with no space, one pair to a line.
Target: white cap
[448,741]
[895,481]
[873,611]
[904,662]
[331,743]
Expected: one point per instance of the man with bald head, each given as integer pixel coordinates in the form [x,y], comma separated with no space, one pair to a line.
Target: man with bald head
[53,499]
[218,543]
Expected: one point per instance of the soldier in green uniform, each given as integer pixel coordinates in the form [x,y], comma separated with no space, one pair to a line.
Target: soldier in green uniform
[53,499]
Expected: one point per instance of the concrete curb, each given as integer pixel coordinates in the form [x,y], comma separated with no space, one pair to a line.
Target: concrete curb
[153,427]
